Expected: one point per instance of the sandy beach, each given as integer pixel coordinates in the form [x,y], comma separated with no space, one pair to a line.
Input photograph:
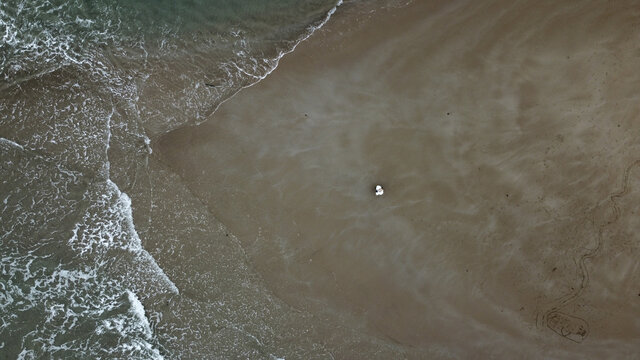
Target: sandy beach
[504,134]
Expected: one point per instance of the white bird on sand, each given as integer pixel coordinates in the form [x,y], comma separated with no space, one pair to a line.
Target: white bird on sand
[379,190]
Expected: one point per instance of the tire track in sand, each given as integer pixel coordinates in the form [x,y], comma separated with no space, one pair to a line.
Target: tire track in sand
[569,326]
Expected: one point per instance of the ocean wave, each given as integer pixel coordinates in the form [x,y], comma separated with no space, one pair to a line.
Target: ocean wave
[107,229]
[77,298]
[82,91]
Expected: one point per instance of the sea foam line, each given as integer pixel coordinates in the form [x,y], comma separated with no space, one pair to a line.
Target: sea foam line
[125,201]
[307,34]
[131,227]
[11,143]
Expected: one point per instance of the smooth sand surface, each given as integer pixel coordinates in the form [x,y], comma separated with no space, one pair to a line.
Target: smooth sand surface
[506,137]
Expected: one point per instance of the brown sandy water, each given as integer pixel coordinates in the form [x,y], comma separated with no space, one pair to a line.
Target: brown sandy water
[505,134]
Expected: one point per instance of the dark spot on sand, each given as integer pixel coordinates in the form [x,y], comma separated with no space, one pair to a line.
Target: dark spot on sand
[226,234]
[554,269]
[448,113]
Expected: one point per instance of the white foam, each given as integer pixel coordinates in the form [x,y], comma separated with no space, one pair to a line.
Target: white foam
[108,225]
[26,354]
[10,32]
[11,143]
[126,209]
[84,22]
[272,64]
[70,297]
[138,310]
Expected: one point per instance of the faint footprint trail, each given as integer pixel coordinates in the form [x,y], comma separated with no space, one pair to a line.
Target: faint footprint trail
[572,327]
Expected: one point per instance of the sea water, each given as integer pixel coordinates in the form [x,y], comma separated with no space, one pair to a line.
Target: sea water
[84,86]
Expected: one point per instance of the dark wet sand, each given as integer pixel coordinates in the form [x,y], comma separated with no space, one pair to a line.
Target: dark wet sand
[505,134]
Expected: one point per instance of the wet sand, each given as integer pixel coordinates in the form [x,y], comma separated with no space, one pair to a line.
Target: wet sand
[505,135]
